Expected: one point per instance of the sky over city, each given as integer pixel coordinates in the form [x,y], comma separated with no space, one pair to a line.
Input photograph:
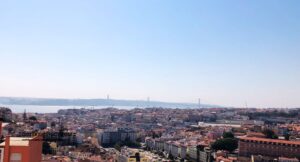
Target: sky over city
[226,52]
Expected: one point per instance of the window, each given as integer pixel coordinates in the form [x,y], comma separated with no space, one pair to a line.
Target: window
[15,157]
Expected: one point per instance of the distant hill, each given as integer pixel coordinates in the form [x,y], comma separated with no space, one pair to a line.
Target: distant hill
[95,102]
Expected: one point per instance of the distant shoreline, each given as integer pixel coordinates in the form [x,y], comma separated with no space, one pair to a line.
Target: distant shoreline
[53,109]
[94,102]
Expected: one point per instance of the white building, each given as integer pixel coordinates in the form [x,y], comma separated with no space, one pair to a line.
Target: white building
[192,152]
[183,151]
[174,147]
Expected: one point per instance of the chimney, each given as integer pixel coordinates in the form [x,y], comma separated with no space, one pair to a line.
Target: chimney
[6,149]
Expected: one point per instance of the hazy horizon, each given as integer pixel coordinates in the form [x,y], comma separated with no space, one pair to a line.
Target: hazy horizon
[143,102]
[229,54]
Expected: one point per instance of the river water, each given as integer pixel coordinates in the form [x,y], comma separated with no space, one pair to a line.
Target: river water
[53,109]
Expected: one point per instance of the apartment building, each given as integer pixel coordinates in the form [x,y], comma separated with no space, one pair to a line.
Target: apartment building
[268,147]
[20,149]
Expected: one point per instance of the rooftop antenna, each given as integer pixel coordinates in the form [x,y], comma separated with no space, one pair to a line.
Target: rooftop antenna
[246,104]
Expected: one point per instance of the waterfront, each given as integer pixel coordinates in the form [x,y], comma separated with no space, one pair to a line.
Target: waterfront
[53,109]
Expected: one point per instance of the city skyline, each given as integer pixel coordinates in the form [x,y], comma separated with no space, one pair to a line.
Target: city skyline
[228,54]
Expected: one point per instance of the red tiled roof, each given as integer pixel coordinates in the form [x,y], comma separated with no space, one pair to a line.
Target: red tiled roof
[270,140]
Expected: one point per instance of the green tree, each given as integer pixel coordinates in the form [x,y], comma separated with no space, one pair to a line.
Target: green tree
[1,138]
[46,148]
[228,144]
[270,134]
[117,146]
[171,157]
[32,118]
[287,136]
[53,124]
[228,135]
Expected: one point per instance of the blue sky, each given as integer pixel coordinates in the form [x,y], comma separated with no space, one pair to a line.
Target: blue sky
[226,52]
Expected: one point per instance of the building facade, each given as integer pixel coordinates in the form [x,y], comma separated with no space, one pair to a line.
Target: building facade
[111,137]
[268,147]
[18,149]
